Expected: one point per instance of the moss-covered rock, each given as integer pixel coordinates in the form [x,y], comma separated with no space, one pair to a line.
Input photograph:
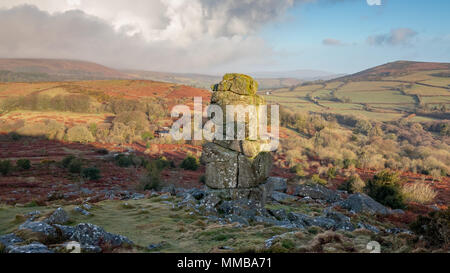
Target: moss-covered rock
[237,83]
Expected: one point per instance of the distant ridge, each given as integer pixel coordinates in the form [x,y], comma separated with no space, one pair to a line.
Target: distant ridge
[57,70]
[395,69]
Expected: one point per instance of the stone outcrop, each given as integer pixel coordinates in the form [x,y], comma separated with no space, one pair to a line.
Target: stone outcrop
[237,167]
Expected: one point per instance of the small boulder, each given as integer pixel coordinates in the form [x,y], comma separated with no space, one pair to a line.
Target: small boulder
[39,231]
[9,240]
[317,192]
[342,222]
[280,214]
[34,248]
[66,232]
[59,216]
[82,211]
[89,234]
[282,197]
[279,183]
[359,202]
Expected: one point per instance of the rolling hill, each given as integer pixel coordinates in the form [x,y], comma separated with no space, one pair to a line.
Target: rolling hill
[55,70]
[414,90]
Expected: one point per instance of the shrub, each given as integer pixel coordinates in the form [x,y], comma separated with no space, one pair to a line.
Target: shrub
[299,170]
[5,167]
[102,151]
[435,228]
[75,166]
[79,134]
[91,173]
[23,164]
[135,119]
[162,163]
[93,129]
[385,188]
[331,173]
[146,136]
[353,185]
[152,179]
[190,163]
[123,161]
[317,180]
[15,136]
[419,192]
[66,160]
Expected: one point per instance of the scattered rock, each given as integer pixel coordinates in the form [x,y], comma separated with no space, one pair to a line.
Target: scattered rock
[282,197]
[31,216]
[82,211]
[86,191]
[270,242]
[317,192]
[342,222]
[198,194]
[36,248]
[39,231]
[368,227]
[9,240]
[279,214]
[65,231]
[89,234]
[59,216]
[279,183]
[169,189]
[359,202]
[153,247]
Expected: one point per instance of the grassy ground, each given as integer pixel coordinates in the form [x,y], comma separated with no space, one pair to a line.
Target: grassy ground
[155,221]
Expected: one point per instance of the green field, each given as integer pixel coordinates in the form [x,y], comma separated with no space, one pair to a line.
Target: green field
[387,98]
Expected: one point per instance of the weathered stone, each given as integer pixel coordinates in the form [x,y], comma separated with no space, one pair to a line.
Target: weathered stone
[222,166]
[248,148]
[39,231]
[237,83]
[246,173]
[82,211]
[279,183]
[89,234]
[280,214]
[371,228]
[282,197]
[65,231]
[362,203]
[59,216]
[9,240]
[316,192]
[300,220]
[222,175]
[34,248]
[215,153]
[262,164]
[342,222]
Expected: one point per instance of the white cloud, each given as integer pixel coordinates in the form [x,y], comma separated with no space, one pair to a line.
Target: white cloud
[374,2]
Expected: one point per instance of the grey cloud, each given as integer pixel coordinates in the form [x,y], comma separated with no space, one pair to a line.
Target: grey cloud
[398,36]
[27,31]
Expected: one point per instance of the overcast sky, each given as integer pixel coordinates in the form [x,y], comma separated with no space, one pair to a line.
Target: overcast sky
[217,36]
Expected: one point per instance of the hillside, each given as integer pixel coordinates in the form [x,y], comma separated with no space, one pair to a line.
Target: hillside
[413,90]
[395,69]
[205,81]
[57,70]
